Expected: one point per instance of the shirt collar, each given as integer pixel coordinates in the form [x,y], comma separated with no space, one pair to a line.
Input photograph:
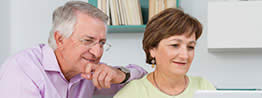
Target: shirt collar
[49,60]
[50,63]
[76,79]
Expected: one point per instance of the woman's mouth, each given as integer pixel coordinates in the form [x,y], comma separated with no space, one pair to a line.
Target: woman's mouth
[179,63]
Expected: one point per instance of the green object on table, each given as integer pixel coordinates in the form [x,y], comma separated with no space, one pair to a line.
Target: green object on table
[232,89]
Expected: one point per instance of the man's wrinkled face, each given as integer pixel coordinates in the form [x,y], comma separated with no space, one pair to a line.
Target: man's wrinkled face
[85,45]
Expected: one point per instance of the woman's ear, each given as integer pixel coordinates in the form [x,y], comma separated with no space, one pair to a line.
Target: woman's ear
[58,38]
[153,52]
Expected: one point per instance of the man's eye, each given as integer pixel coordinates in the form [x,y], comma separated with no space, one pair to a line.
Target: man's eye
[102,43]
[87,41]
[175,45]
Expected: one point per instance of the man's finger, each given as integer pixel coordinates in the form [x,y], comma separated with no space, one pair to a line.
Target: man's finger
[108,79]
[101,79]
[87,76]
[89,68]
[95,78]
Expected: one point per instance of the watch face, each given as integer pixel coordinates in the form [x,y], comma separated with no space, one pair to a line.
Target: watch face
[127,73]
[124,69]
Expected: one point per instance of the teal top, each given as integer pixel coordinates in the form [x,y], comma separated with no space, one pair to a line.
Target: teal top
[143,88]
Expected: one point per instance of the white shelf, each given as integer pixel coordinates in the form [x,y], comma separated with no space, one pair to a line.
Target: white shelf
[235,25]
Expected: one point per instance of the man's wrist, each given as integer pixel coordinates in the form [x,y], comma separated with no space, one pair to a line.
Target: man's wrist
[126,72]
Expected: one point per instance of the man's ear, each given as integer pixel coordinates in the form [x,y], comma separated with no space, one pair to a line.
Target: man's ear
[153,52]
[58,38]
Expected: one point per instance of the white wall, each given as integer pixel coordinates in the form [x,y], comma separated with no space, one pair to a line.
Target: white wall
[30,24]
[126,49]
[4,29]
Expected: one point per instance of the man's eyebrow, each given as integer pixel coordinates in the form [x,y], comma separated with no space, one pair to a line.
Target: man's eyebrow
[87,36]
[104,39]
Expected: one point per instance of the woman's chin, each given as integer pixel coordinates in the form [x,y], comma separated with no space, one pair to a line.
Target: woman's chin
[179,72]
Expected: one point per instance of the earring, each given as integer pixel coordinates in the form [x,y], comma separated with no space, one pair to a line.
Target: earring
[153,63]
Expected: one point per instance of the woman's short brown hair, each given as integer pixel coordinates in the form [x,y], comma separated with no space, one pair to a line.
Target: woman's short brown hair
[167,23]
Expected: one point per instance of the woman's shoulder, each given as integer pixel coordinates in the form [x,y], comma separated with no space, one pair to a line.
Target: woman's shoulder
[132,89]
[133,84]
[196,78]
[137,83]
[201,83]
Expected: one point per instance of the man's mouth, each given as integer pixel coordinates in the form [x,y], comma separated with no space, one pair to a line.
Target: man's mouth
[90,60]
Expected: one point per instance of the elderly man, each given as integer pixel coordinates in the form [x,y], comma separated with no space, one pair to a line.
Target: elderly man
[76,44]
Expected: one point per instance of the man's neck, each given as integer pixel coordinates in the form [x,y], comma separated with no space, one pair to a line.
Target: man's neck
[68,74]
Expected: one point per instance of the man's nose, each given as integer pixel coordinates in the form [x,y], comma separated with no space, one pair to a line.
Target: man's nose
[96,50]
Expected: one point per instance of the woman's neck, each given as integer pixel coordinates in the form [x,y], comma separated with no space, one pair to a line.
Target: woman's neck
[168,83]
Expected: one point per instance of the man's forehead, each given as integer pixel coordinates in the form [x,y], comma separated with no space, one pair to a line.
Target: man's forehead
[90,27]
[95,36]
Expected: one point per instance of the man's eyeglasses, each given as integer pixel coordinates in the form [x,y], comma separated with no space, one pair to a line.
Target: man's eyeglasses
[90,43]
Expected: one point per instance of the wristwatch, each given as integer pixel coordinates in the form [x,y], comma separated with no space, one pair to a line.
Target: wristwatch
[127,73]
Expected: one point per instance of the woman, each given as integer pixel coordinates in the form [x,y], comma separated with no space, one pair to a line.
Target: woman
[169,42]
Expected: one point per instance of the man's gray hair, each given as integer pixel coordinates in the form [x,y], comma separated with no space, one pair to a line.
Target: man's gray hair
[64,18]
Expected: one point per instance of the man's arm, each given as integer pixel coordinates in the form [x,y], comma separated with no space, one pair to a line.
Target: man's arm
[15,84]
[136,72]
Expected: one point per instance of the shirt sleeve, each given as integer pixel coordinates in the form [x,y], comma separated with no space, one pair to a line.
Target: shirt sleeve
[136,72]
[15,84]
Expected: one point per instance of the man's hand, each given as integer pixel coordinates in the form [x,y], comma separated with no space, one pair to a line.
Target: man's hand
[103,75]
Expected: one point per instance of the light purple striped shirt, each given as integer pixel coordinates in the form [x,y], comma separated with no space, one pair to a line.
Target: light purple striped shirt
[35,73]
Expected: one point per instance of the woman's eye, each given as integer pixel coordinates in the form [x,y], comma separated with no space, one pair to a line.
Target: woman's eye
[191,47]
